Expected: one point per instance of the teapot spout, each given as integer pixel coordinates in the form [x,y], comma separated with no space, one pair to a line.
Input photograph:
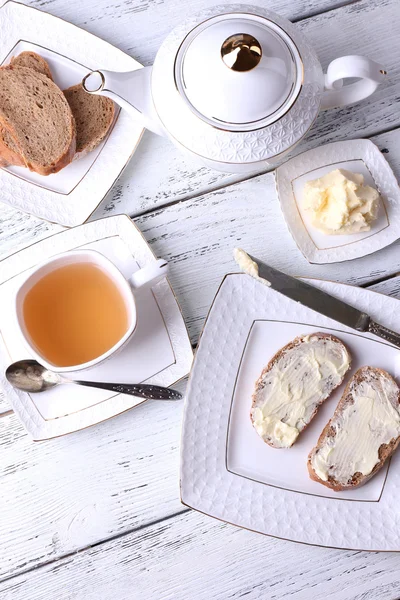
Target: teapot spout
[130,89]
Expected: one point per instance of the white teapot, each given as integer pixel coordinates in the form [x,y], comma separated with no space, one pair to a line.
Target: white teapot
[236,86]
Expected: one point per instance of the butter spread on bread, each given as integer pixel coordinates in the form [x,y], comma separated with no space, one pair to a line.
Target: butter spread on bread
[293,385]
[363,432]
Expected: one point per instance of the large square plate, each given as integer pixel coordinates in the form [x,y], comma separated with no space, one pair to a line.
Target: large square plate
[159,352]
[70,196]
[358,156]
[228,472]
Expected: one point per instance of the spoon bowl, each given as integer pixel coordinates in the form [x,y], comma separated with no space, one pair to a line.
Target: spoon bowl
[32,377]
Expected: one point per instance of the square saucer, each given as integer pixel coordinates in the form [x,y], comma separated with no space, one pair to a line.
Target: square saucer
[230,473]
[70,196]
[159,352]
[358,156]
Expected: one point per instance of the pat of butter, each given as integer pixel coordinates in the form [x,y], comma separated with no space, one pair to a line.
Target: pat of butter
[340,203]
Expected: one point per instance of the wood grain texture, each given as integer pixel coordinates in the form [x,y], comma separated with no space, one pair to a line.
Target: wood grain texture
[193,556]
[61,495]
[138,27]
[389,287]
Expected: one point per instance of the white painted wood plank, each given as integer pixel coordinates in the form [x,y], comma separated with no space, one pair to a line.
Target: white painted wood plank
[61,495]
[18,229]
[194,556]
[390,287]
[138,27]
[159,173]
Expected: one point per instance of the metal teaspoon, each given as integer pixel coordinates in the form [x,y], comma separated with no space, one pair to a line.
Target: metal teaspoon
[30,376]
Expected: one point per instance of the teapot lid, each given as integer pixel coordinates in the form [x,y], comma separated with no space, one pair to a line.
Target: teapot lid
[238,71]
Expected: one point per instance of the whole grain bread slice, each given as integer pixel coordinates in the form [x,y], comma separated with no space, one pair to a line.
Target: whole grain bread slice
[285,416]
[93,115]
[353,394]
[33,61]
[9,154]
[35,113]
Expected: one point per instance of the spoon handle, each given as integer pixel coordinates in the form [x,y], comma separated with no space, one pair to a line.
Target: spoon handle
[141,390]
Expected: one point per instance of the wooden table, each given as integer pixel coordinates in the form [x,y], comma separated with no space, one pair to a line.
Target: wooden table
[96,515]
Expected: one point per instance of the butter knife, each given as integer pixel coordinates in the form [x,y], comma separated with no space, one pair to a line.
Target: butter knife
[323,303]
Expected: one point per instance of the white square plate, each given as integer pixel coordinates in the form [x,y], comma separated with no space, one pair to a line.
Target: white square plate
[359,156]
[159,352]
[228,472]
[70,196]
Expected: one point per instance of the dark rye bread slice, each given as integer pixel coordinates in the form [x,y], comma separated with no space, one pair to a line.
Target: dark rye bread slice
[93,116]
[34,111]
[289,360]
[8,149]
[353,393]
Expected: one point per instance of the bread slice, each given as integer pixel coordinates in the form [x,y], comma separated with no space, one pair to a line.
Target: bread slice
[93,115]
[294,384]
[9,154]
[33,61]
[362,434]
[35,113]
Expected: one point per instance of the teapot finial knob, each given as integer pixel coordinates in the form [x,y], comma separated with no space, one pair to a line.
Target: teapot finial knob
[241,52]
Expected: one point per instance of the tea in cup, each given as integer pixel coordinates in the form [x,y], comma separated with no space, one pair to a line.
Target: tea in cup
[77,309]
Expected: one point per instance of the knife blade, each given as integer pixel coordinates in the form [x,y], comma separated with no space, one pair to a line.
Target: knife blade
[323,303]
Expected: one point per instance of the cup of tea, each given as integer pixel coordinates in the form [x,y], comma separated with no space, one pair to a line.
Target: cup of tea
[77,309]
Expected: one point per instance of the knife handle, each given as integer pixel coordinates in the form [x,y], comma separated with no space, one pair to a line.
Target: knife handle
[384,333]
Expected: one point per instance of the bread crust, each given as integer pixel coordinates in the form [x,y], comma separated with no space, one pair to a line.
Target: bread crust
[296,342]
[384,452]
[8,156]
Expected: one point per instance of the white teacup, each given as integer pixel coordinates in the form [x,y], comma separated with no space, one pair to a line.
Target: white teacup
[142,278]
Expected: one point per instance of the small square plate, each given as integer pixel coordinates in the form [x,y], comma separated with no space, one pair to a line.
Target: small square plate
[359,156]
[228,472]
[160,351]
[70,196]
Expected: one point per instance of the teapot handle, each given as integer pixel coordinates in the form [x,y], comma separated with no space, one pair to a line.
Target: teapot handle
[369,74]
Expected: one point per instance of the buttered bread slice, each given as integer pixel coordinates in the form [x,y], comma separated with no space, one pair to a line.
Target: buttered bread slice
[363,432]
[293,385]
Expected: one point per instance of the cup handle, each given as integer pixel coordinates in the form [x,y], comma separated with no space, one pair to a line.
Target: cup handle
[150,275]
[369,74]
